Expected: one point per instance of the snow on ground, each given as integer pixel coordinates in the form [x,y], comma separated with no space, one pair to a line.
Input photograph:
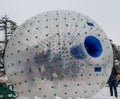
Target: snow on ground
[103,94]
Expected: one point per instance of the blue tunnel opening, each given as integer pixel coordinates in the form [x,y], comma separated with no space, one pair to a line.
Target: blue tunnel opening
[93,46]
[77,52]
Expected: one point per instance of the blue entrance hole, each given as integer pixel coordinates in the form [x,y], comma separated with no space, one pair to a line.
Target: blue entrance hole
[93,46]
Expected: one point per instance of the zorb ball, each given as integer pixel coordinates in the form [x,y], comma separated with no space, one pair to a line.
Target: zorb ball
[58,53]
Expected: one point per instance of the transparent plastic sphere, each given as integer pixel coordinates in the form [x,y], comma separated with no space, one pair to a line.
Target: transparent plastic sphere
[58,53]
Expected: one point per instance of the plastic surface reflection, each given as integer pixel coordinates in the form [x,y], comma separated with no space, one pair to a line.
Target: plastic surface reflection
[58,53]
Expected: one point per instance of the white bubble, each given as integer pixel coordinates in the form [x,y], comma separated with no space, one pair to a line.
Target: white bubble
[58,53]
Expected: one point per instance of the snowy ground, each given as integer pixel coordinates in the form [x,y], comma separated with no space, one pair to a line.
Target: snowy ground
[103,94]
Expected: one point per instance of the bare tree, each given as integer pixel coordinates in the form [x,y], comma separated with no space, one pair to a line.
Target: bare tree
[7,27]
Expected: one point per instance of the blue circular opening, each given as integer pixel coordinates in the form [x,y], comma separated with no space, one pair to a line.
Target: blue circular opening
[77,52]
[93,46]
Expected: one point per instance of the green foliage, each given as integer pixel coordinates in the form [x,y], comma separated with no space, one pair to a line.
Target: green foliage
[116,56]
[7,91]
[116,53]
